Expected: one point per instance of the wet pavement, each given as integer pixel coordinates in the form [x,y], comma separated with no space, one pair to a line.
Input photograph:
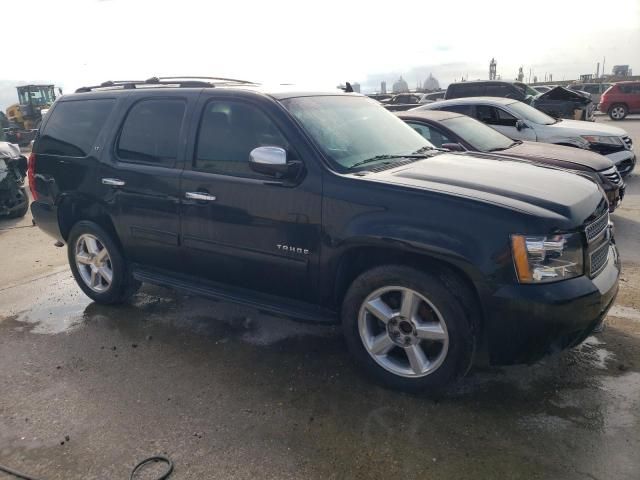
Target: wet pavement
[228,392]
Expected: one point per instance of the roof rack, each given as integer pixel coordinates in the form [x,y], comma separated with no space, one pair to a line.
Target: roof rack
[180,82]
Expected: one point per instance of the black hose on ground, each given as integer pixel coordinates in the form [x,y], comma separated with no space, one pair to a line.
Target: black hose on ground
[136,469]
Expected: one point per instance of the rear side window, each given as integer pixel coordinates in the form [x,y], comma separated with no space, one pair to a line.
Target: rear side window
[151,132]
[73,127]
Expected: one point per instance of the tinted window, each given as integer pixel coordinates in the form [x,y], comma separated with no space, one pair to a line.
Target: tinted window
[497,90]
[464,109]
[73,127]
[228,132]
[495,116]
[435,136]
[151,132]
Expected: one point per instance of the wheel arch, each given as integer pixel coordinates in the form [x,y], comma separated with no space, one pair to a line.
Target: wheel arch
[75,208]
[357,259]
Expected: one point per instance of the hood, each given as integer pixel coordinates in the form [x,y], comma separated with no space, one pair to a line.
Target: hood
[516,185]
[561,93]
[546,153]
[578,127]
[9,151]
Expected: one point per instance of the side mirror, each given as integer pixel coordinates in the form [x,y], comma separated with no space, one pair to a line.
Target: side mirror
[269,161]
[454,147]
[520,125]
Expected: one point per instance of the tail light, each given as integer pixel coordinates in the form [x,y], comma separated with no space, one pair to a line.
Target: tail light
[31,175]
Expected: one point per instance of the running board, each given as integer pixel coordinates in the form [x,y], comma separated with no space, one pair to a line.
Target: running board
[297,310]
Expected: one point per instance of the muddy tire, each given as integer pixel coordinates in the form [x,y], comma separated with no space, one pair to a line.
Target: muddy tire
[618,111]
[98,265]
[407,329]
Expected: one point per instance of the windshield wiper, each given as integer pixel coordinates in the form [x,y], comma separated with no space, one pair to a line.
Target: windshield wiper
[387,157]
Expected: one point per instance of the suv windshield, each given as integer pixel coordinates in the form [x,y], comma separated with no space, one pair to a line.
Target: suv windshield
[477,134]
[531,114]
[350,130]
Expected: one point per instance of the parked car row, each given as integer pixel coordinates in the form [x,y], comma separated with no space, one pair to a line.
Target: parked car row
[458,132]
[558,102]
[520,121]
[326,207]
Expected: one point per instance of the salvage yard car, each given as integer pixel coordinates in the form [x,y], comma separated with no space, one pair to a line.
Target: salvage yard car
[621,99]
[558,102]
[458,132]
[520,121]
[324,207]
[14,200]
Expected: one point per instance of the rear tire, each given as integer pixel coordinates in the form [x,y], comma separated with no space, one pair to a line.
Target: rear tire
[424,345]
[618,112]
[98,265]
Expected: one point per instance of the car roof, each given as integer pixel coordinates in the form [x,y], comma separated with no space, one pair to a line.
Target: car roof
[435,115]
[473,101]
[511,82]
[278,92]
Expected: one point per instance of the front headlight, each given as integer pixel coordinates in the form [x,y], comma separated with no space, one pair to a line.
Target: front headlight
[603,140]
[540,259]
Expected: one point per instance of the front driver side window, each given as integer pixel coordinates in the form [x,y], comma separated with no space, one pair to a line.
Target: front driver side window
[495,116]
[435,136]
[228,132]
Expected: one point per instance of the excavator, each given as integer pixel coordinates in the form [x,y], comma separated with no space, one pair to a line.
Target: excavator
[25,117]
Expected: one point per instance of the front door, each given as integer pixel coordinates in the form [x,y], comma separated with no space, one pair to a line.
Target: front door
[504,122]
[140,179]
[244,228]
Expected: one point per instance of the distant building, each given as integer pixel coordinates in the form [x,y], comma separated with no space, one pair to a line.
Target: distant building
[493,65]
[400,86]
[356,87]
[431,84]
[520,76]
[621,71]
[383,87]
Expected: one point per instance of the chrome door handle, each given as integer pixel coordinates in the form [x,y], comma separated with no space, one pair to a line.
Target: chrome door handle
[202,196]
[114,182]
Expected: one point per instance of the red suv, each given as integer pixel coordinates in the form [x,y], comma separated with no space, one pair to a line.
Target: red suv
[621,99]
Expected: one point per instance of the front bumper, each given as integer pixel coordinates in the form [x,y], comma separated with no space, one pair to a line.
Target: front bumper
[624,160]
[529,321]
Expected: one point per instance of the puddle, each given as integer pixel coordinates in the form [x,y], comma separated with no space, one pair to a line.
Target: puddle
[61,306]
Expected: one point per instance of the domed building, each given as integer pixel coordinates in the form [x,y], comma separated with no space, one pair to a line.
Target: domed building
[431,84]
[400,86]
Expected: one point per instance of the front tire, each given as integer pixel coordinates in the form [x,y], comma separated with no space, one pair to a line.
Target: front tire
[98,265]
[618,112]
[406,329]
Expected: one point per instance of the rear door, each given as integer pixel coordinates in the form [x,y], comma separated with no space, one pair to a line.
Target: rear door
[140,176]
[240,227]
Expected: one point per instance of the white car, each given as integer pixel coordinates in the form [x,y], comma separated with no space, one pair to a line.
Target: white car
[520,121]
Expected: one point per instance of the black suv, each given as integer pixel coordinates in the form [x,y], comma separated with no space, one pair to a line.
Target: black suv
[324,207]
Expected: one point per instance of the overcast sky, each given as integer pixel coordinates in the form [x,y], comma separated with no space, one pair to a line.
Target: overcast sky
[320,43]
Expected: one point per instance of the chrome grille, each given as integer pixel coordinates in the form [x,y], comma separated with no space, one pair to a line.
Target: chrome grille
[594,229]
[612,175]
[598,259]
[628,143]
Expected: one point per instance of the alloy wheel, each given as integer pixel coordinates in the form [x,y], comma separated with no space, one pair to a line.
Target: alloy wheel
[617,112]
[94,263]
[403,331]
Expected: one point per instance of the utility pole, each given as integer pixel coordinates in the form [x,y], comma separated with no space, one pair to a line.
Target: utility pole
[603,70]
